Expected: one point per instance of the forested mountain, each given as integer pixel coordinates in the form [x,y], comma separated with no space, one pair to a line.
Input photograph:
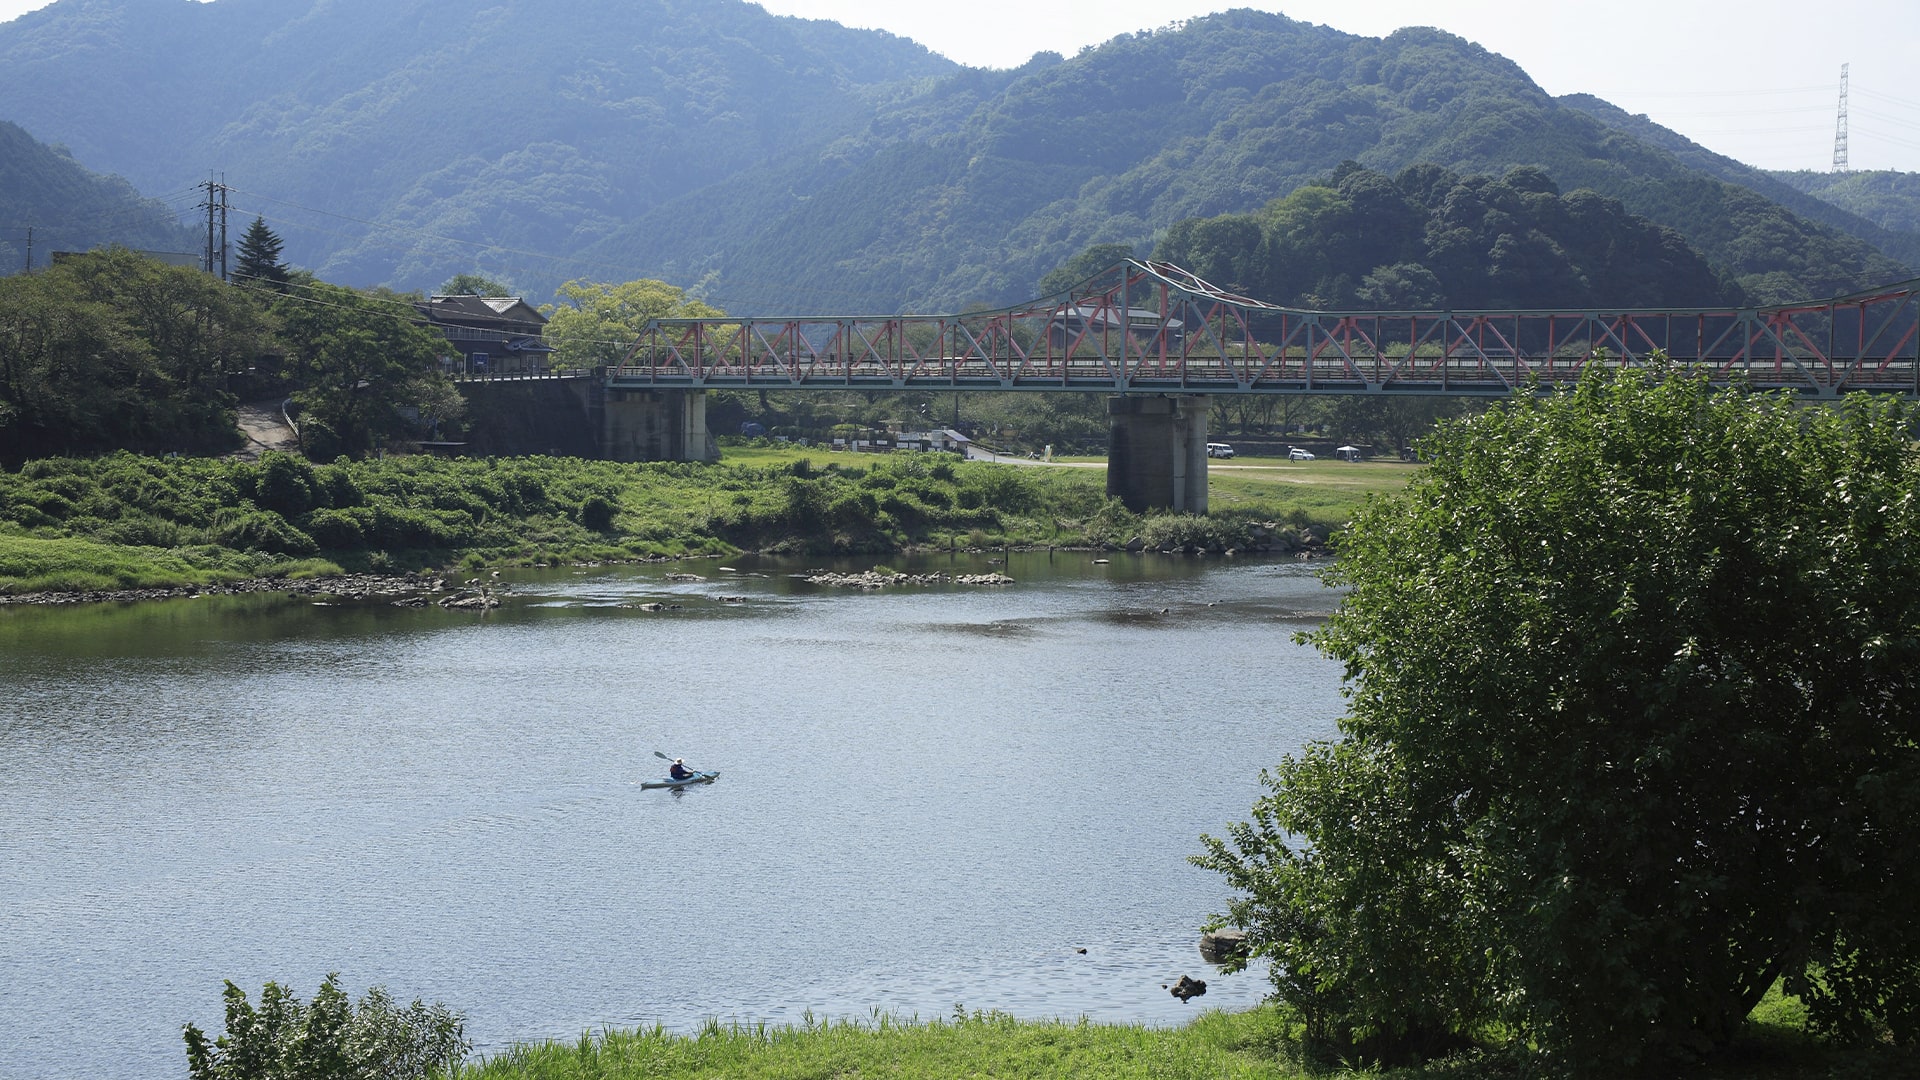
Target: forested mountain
[530,126]
[975,195]
[1429,239]
[48,198]
[1887,200]
[790,165]
[1807,194]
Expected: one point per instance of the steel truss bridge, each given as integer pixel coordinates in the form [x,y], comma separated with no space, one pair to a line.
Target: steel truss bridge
[1149,327]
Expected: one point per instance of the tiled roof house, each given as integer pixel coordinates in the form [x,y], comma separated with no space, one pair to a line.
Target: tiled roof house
[490,334]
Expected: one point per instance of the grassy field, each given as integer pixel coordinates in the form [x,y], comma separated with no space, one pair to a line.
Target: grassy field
[1326,491]
[1259,1043]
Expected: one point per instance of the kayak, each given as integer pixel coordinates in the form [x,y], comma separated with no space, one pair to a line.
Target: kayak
[696,778]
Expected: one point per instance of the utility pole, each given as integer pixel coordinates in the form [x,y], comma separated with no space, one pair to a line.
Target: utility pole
[28,269]
[216,208]
[1840,132]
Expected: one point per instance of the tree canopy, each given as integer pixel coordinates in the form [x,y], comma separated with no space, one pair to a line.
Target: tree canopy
[474,285]
[1430,239]
[596,322]
[1634,732]
[358,354]
[112,350]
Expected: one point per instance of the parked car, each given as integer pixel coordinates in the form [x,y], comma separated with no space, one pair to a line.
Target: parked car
[1298,454]
[1219,450]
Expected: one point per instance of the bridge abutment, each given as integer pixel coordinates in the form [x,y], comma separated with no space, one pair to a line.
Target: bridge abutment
[656,425]
[1157,452]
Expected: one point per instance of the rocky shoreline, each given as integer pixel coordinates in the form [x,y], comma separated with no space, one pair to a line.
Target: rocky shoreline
[393,587]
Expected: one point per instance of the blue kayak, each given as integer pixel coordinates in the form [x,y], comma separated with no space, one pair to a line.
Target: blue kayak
[696,778]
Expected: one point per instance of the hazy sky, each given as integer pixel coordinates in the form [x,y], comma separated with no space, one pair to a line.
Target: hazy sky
[1757,80]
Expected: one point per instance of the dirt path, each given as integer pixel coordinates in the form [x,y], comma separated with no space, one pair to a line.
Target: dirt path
[265,428]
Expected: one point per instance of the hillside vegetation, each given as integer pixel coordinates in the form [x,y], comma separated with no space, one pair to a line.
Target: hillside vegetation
[70,208]
[127,521]
[1429,239]
[789,166]
[1890,200]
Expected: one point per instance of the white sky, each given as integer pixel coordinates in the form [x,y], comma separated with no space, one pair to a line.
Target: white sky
[1757,80]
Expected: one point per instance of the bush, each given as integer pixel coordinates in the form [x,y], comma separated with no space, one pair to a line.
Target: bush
[596,513]
[261,530]
[330,1039]
[339,530]
[283,485]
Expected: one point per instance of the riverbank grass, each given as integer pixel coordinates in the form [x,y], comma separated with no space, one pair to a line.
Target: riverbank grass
[1257,1044]
[1216,1045]
[39,564]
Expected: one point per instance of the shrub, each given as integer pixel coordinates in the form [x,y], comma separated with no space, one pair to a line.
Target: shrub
[330,1039]
[340,530]
[596,513]
[261,530]
[283,485]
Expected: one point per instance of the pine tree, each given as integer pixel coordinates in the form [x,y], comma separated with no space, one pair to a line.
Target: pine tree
[260,257]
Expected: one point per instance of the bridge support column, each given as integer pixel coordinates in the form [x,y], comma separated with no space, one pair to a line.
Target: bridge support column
[1157,452]
[656,425]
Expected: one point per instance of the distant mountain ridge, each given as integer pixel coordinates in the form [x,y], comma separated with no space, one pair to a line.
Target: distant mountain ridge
[49,202]
[798,166]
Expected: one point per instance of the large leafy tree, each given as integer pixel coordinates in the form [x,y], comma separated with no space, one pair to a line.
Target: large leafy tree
[596,323]
[1634,676]
[362,355]
[112,349]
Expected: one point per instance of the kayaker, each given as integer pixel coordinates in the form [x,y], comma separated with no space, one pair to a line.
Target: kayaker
[678,770]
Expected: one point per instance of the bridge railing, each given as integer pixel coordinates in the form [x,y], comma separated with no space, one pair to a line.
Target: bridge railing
[1151,327]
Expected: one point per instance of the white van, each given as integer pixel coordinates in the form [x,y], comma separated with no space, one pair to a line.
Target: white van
[1219,450]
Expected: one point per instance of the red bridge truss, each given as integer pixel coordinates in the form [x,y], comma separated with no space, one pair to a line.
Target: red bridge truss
[1147,327]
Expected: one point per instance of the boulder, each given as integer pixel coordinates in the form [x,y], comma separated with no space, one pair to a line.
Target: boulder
[1187,988]
[1223,945]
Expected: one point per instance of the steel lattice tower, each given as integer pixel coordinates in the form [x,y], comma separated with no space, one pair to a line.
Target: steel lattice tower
[1840,132]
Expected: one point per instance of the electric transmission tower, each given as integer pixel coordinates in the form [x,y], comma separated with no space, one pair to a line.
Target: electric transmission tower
[1840,132]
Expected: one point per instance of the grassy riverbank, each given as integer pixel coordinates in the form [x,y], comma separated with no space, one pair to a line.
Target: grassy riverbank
[131,522]
[1260,1043]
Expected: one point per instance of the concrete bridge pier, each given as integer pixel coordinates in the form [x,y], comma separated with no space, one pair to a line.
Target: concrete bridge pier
[656,425]
[1157,452]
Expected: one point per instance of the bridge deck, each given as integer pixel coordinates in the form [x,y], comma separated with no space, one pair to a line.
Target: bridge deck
[1151,327]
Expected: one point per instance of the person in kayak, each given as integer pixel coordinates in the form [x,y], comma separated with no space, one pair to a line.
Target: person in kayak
[678,770]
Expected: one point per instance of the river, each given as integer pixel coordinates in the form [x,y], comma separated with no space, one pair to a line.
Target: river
[930,798]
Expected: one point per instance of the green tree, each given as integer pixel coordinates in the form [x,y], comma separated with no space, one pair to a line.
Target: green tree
[329,1039]
[1634,733]
[475,285]
[259,257]
[114,350]
[596,323]
[363,356]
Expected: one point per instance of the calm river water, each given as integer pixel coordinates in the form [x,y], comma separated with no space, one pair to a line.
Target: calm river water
[929,798]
